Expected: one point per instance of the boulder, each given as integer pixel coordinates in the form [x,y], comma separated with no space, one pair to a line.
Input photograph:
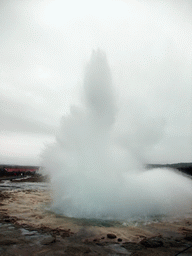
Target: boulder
[111,236]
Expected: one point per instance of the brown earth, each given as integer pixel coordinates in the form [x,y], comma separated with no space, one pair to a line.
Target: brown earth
[27,228]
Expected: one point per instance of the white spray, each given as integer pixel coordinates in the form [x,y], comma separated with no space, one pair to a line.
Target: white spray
[93,172]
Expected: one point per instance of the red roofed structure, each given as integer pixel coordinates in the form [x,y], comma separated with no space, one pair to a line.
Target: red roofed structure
[15,170]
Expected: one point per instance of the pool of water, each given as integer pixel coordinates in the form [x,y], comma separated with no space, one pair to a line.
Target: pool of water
[11,185]
[47,208]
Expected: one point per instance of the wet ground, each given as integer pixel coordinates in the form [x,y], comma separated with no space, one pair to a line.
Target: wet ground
[28,227]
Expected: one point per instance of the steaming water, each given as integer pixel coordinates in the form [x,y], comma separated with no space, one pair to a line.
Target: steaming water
[94,174]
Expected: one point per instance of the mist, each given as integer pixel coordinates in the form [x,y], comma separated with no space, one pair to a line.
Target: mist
[95,165]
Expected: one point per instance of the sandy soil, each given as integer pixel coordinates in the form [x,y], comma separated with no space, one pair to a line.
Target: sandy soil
[57,235]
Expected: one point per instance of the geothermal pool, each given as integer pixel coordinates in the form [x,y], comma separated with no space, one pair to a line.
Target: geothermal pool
[43,196]
[32,202]
[26,208]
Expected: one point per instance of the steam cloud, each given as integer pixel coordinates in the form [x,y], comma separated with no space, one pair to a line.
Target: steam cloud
[96,166]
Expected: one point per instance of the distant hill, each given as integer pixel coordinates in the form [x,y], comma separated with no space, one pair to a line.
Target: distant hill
[183,167]
[2,166]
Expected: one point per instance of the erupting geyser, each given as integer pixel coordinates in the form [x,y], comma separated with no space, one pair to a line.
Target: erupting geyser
[93,172]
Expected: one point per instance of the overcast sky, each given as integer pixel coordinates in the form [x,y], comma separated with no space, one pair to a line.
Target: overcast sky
[45,46]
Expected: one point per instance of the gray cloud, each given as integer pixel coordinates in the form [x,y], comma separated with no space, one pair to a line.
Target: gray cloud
[16,116]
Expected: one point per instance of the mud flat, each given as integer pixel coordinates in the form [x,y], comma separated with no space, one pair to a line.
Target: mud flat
[28,227]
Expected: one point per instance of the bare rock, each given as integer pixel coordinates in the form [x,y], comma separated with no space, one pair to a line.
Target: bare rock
[77,250]
[48,240]
[130,246]
[8,241]
[188,237]
[111,236]
[152,242]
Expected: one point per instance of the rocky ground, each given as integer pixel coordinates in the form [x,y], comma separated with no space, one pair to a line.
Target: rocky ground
[27,229]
